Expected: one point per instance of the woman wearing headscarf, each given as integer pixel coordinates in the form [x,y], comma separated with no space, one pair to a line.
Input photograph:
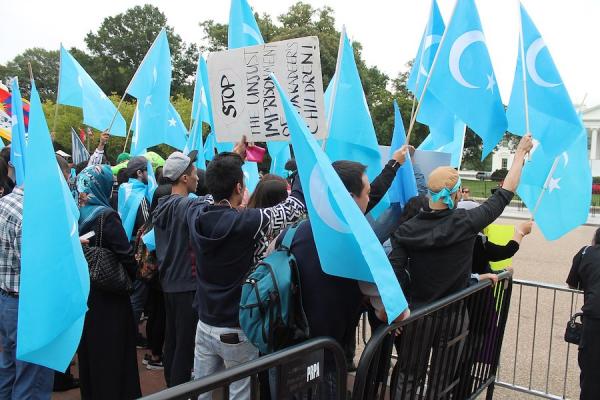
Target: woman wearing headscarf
[107,352]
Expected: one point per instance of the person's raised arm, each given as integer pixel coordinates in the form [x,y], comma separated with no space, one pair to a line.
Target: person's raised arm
[381,184]
[514,174]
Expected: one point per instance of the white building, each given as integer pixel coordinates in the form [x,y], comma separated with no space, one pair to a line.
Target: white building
[503,156]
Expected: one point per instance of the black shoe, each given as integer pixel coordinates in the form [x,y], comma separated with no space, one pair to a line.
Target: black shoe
[141,342]
[72,383]
[155,364]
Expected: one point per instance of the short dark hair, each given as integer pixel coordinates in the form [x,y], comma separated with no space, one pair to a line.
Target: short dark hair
[597,237]
[63,164]
[350,172]
[223,173]
[270,191]
[81,166]
[413,206]
[5,154]
[201,189]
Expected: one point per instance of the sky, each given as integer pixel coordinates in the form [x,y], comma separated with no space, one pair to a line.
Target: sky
[390,31]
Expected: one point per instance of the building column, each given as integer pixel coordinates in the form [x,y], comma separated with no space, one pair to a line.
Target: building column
[594,145]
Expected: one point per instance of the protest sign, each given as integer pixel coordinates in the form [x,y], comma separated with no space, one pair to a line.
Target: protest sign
[244,100]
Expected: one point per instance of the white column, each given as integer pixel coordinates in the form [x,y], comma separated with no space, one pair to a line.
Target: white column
[594,145]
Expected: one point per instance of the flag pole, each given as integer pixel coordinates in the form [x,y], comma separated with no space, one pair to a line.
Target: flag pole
[127,88]
[335,83]
[523,66]
[433,65]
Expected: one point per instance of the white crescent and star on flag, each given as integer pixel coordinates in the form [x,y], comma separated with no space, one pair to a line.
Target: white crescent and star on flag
[458,48]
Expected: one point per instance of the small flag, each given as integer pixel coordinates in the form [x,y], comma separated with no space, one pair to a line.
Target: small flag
[553,120]
[463,78]
[76,88]
[78,150]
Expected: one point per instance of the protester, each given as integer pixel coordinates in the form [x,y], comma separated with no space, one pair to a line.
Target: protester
[99,157]
[439,244]
[18,379]
[202,189]
[107,355]
[156,323]
[4,179]
[10,181]
[270,191]
[227,242]
[585,275]
[137,171]
[177,272]
[332,303]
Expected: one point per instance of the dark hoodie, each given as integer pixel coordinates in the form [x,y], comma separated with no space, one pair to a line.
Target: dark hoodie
[227,243]
[173,252]
[437,246]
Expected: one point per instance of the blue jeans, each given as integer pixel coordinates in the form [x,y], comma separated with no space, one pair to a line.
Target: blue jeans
[18,379]
[211,356]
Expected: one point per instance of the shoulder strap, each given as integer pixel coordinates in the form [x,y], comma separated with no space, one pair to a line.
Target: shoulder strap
[289,235]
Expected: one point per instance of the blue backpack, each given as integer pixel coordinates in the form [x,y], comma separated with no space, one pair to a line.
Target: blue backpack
[271,312]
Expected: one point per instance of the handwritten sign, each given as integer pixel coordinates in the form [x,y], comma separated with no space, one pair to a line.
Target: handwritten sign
[245,100]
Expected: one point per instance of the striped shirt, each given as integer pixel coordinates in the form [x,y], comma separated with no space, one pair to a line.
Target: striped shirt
[11,218]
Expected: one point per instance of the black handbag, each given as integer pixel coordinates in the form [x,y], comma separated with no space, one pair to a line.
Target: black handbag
[574,328]
[106,272]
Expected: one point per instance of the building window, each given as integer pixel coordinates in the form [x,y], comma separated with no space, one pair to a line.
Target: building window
[505,163]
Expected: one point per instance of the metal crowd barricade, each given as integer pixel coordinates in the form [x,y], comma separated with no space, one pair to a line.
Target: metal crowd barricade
[449,349]
[300,374]
[535,358]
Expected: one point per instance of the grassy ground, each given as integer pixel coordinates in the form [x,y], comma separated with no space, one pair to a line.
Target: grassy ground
[482,189]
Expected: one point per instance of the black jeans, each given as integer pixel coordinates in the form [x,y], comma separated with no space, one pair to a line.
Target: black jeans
[589,359]
[180,334]
[155,327]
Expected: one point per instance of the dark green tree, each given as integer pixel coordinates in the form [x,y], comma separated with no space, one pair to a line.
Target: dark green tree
[44,64]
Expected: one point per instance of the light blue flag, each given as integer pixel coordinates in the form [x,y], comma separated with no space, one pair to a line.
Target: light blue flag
[552,118]
[567,180]
[152,184]
[151,86]
[209,146]
[150,240]
[54,274]
[174,134]
[194,142]
[431,111]
[76,88]
[455,147]
[251,176]
[463,79]
[346,244]
[201,104]
[243,31]
[18,146]
[404,186]
[351,131]
[130,197]
[199,114]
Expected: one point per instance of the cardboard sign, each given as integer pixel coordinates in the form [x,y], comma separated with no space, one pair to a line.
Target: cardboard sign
[244,99]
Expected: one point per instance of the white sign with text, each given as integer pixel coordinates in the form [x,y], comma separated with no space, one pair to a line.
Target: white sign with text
[245,100]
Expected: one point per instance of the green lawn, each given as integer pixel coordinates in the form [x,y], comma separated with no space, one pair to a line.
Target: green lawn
[482,189]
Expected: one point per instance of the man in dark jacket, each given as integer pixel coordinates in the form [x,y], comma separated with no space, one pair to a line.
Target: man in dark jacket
[227,242]
[177,267]
[436,247]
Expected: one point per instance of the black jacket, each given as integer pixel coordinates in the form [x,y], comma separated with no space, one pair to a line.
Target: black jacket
[173,251]
[437,247]
[227,243]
